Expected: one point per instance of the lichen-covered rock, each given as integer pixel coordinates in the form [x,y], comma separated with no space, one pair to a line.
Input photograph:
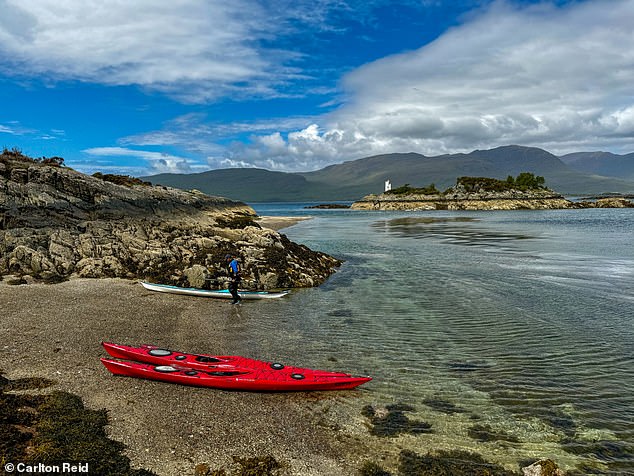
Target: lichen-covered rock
[544,467]
[55,221]
[196,276]
[614,203]
[458,202]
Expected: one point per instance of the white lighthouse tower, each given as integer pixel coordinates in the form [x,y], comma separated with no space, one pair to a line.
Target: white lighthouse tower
[388,186]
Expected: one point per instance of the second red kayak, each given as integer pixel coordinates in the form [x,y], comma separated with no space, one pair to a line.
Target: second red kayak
[235,379]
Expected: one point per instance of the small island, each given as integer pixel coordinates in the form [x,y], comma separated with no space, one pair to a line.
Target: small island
[524,192]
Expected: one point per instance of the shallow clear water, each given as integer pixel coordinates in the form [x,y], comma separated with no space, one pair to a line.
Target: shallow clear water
[519,324]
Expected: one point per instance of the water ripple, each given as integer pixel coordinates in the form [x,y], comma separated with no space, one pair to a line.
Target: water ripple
[522,320]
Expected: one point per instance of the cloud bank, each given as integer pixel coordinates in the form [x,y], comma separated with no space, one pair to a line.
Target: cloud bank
[193,50]
[554,77]
[557,77]
[156,162]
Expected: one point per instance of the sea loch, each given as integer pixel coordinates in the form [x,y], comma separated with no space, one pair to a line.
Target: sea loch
[509,332]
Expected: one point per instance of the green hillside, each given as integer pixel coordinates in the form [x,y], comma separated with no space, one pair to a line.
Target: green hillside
[354,179]
[602,163]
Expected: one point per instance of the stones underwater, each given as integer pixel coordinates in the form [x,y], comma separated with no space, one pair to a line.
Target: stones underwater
[392,421]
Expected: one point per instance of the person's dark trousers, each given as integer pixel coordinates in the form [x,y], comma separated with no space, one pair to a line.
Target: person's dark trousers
[233,289]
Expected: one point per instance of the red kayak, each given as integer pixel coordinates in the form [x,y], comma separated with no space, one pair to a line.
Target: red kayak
[235,379]
[224,372]
[159,356]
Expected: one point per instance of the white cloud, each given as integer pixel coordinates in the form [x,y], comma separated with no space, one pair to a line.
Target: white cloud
[553,77]
[534,76]
[195,134]
[196,50]
[150,162]
[559,78]
[16,129]
[6,130]
[306,149]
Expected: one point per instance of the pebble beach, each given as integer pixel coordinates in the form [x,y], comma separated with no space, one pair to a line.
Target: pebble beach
[55,331]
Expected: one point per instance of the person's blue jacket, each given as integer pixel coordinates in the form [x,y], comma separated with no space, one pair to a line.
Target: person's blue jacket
[234,267]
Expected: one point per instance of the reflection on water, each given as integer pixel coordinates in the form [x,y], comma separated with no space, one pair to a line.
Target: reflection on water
[444,228]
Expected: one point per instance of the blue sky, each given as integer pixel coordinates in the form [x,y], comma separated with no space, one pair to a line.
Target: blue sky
[146,87]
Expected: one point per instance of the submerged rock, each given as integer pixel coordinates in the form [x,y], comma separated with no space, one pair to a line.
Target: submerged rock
[58,223]
[544,467]
[392,421]
[445,463]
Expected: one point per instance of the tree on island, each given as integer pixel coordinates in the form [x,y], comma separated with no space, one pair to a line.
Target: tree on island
[524,181]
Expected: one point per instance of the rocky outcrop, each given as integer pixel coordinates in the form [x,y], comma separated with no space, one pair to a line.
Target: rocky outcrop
[613,202]
[491,201]
[458,198]
[57,223]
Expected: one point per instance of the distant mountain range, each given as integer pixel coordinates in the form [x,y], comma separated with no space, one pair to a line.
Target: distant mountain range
[573,174]
[602,163]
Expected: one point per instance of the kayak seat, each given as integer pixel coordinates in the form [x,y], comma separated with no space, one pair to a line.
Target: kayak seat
[205,359]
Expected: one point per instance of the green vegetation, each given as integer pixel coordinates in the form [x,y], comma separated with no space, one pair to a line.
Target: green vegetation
[124,180]
[407,190]
[524,181]
[16,154]
[57,428]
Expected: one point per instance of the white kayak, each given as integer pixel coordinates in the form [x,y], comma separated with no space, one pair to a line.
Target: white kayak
[213,293]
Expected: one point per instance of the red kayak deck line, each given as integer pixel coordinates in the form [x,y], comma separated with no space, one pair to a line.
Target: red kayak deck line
[223,372]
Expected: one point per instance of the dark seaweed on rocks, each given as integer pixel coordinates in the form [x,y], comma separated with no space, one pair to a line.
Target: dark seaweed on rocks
[443,406]
[55,429]
[394,421]
[449,463]
[254,466]
[486,433]
[370,468]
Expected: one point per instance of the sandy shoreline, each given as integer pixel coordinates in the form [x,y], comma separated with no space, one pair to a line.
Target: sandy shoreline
[54,331]
[278,223]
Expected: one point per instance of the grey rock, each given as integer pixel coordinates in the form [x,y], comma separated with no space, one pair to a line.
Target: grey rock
[196,276]
[544,467]
[57,222]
